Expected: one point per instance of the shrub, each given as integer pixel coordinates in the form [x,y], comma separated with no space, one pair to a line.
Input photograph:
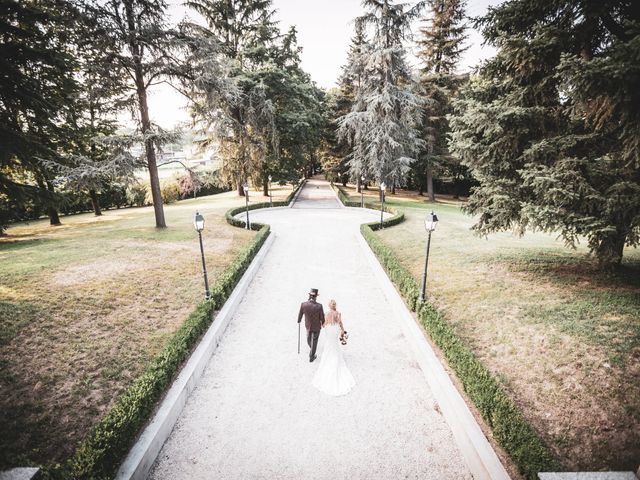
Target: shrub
[239,222]
[170,192]
[137,194]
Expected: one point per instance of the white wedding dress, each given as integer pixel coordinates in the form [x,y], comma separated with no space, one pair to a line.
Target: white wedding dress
[333,376]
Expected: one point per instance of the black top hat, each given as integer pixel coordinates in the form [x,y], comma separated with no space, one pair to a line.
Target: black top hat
[314,292]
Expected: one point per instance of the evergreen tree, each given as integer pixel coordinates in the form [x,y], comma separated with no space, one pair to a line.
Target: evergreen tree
[268,118]
[298,113]
[550,127]
[386,111]
[92,116]
[142,51]
[441,45]
[35,85]
[349,84]
[241,123]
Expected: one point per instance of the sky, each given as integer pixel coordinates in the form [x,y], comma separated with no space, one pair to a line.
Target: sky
[325,28]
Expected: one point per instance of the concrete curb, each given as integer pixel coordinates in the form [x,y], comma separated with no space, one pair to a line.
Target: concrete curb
[143,454]
[474,446]
[295,197]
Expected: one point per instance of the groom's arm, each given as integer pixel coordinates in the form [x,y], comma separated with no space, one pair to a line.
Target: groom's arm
[322,314]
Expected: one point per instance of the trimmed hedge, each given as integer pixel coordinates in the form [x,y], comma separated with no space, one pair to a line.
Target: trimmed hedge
[237,222]
[510,428]
[100,455]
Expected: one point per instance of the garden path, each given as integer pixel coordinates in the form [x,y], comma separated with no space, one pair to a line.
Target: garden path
[254,413]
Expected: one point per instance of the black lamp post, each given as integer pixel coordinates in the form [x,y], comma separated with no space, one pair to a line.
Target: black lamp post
[198,223]
[361,191]
[430,222]
[270,194]
[383,187]
[245,187]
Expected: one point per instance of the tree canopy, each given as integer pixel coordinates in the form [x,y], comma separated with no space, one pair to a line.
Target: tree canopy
[550,126]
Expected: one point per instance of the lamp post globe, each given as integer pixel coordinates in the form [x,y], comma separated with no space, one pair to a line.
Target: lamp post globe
[430,223]
[383,187]
[198,223]
[245,188]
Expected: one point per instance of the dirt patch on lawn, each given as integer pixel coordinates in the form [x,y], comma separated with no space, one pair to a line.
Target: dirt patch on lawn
[96,270]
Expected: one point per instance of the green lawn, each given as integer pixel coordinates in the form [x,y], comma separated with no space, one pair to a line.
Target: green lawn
[562,337]
[85,305]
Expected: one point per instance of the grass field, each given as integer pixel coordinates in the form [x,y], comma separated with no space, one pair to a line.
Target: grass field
[85,305]
[562,337]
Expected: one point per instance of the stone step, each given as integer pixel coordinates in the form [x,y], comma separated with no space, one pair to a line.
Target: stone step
[587,476]
[19,473]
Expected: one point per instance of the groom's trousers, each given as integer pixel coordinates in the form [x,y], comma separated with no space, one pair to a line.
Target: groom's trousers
[312,341]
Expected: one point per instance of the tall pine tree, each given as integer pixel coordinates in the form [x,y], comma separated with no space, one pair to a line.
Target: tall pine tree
[550,127]
[35,86]
[142,50]
[349,85]
[440,49]
[242,123]
[386,110]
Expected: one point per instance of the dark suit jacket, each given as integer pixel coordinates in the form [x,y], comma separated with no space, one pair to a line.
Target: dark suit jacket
[313,315]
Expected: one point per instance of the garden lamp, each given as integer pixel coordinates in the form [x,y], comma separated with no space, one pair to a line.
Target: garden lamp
[430,222]
[198,223]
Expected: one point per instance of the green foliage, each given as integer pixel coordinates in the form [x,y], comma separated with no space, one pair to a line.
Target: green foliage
[170,191]
[137,194]
[36,86]
[100,455]
[510,428]
[550,126]
[239,222]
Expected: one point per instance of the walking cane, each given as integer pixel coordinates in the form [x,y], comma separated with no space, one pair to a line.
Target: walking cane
[298,338]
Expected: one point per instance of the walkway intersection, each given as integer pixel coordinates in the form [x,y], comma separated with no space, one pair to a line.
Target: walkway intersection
[254,413]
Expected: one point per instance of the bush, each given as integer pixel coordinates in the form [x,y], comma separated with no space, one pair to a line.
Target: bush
[237,222]
[170,192]
[137,194]
[99,456]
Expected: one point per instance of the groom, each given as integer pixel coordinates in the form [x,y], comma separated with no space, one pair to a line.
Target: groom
[313,321]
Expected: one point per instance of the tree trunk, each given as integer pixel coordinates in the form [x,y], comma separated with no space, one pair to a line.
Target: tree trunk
[52,212]
[430,193]
[265,186]
[393,188]
[610,250]
[141,90]
[240,188]
[54,217]
[358,185]
[94,202]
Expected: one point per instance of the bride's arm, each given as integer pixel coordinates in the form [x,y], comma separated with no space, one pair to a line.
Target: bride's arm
[340,321]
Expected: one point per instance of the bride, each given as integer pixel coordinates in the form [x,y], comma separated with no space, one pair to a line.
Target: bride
[333,377]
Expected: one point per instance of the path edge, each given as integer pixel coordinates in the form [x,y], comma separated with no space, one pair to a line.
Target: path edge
[142,455]
[481,458]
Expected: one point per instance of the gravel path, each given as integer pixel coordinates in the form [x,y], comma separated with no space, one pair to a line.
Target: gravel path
[255,415]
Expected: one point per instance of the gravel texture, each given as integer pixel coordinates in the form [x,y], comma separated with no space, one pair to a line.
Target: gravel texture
[255,414]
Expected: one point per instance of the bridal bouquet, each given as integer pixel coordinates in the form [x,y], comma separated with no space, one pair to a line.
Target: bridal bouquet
[344,336]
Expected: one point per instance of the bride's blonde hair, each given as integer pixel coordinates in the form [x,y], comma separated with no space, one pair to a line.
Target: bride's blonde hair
[332,304]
